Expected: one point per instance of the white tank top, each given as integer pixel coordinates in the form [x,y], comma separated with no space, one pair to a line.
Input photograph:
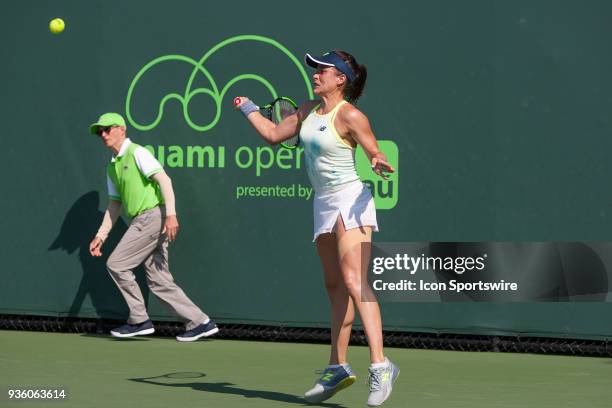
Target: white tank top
[330,161]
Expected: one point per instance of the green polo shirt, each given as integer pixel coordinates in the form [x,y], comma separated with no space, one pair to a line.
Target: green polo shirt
[137,192]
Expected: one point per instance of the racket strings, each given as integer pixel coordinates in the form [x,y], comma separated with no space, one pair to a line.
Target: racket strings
[281,108]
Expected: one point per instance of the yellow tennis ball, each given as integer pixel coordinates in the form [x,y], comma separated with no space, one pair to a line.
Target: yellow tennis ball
[56,25]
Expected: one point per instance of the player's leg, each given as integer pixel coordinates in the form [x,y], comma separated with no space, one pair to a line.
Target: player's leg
[338,374]
[353,252]
[342,308]
[354,247]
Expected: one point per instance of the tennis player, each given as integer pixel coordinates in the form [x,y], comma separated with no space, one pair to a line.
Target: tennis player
[330,128]
[137,182]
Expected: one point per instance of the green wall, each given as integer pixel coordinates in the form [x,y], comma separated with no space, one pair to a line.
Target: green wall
[500,112]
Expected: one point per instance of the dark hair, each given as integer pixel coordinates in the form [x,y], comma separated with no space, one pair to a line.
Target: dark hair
[353,89]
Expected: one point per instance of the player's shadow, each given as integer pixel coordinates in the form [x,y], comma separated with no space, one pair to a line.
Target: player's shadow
[78,229]
[229,388]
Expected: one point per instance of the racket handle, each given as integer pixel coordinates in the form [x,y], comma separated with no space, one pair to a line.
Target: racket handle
[237,101]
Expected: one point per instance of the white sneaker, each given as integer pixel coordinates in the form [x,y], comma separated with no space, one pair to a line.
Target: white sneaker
[381,382]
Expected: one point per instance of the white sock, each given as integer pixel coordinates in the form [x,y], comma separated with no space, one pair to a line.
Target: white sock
[380,365]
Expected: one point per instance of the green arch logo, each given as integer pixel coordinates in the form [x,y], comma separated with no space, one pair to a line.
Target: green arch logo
[217,94]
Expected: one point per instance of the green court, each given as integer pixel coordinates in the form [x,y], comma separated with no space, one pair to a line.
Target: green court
[99,371]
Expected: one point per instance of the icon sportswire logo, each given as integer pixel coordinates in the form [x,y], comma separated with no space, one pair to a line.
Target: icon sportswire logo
[215,91]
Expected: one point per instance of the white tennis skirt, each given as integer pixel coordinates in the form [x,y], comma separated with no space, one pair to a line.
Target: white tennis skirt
[352,201]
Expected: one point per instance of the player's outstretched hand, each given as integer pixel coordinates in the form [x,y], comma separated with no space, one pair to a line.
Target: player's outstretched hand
[381,167]
[239,100]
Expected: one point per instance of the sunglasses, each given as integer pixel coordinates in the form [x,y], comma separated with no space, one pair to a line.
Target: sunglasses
[105,129]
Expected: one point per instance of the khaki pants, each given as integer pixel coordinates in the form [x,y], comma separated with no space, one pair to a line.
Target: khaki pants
[144,244]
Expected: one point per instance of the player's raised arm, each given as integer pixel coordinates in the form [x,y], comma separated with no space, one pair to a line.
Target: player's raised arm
[272,131]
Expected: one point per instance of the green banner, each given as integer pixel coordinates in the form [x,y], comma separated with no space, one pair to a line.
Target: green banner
[496,115]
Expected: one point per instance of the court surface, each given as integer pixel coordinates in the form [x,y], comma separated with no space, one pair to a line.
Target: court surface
[99,371]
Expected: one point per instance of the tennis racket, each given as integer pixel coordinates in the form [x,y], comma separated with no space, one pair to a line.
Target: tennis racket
[276,111]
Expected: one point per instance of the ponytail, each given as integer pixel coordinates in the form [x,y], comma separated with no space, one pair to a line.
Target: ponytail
[353,89]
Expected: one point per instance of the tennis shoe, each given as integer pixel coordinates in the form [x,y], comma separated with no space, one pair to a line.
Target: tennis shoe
[131,330]
[381,382]
[331,381]
[203,330]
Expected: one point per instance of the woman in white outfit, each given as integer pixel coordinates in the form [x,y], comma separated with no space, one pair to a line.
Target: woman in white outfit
[344,214]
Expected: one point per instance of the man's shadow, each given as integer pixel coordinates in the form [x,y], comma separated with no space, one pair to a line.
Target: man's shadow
[229,388]
[78,229]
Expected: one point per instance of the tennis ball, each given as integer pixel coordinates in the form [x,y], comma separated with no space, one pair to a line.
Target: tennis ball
[56,25]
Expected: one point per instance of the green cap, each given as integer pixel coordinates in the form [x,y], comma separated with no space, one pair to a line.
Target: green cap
[107,119]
